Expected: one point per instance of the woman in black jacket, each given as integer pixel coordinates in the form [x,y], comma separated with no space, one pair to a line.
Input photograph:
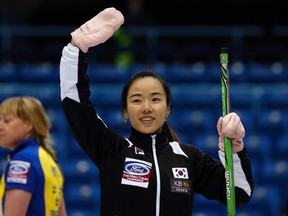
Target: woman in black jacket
[150,172]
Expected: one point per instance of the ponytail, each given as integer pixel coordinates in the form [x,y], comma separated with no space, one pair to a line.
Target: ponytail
[172,136]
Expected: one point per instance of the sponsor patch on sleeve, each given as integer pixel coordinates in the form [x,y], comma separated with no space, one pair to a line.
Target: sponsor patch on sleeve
[18,172]
[136,172]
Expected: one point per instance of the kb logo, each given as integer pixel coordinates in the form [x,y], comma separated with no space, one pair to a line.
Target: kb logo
[178,183]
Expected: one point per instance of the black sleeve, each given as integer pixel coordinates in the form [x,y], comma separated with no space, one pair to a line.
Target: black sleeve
[88,128]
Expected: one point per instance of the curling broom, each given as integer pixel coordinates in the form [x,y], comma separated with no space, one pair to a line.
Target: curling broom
[229,173]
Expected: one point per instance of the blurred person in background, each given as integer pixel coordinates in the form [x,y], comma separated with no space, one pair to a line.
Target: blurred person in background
[150,172]
[32,182]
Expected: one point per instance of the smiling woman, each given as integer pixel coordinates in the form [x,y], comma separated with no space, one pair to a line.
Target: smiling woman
[151,166]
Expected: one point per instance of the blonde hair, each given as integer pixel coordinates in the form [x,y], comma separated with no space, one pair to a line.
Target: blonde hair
[31,109]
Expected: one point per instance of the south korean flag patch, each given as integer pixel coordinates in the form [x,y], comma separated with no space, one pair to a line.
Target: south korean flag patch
[180,172]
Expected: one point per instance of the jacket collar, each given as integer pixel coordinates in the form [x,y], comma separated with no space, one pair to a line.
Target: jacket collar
[145,141]
[22,145]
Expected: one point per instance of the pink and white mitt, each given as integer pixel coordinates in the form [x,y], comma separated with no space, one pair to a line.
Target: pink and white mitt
[98,29]
[231,126]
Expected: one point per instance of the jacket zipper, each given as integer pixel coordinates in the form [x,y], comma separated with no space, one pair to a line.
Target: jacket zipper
[158,182]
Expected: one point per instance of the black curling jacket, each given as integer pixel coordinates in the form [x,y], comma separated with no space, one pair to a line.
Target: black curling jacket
[144,174]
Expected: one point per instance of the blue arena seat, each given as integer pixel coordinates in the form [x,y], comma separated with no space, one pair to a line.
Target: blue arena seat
[256,166]
[48,94]
[195,119]
[61,144]
[275,171]
[57,118]
[213,72]
[266,200]
[39,72]
[195,96]
[215,208]
[74,149]
[108,73]
[271,73]
[206,212]
[8,72]
[60,131]
[281,147]
[82,199]
[275,120]
[158,68]
[208,143]
[83,192]
[106,95]
[188,73]
[276,97]
[259,145]
[237,72]
[82,212]
[79,169]
[249,212]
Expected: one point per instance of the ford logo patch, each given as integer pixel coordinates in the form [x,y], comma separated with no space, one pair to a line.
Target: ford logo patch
[136,168]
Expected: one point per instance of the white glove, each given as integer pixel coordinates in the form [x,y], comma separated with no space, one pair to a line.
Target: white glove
[231,126]
[98,29]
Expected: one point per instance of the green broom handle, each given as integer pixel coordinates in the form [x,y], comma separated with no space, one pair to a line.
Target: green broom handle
[229,173]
